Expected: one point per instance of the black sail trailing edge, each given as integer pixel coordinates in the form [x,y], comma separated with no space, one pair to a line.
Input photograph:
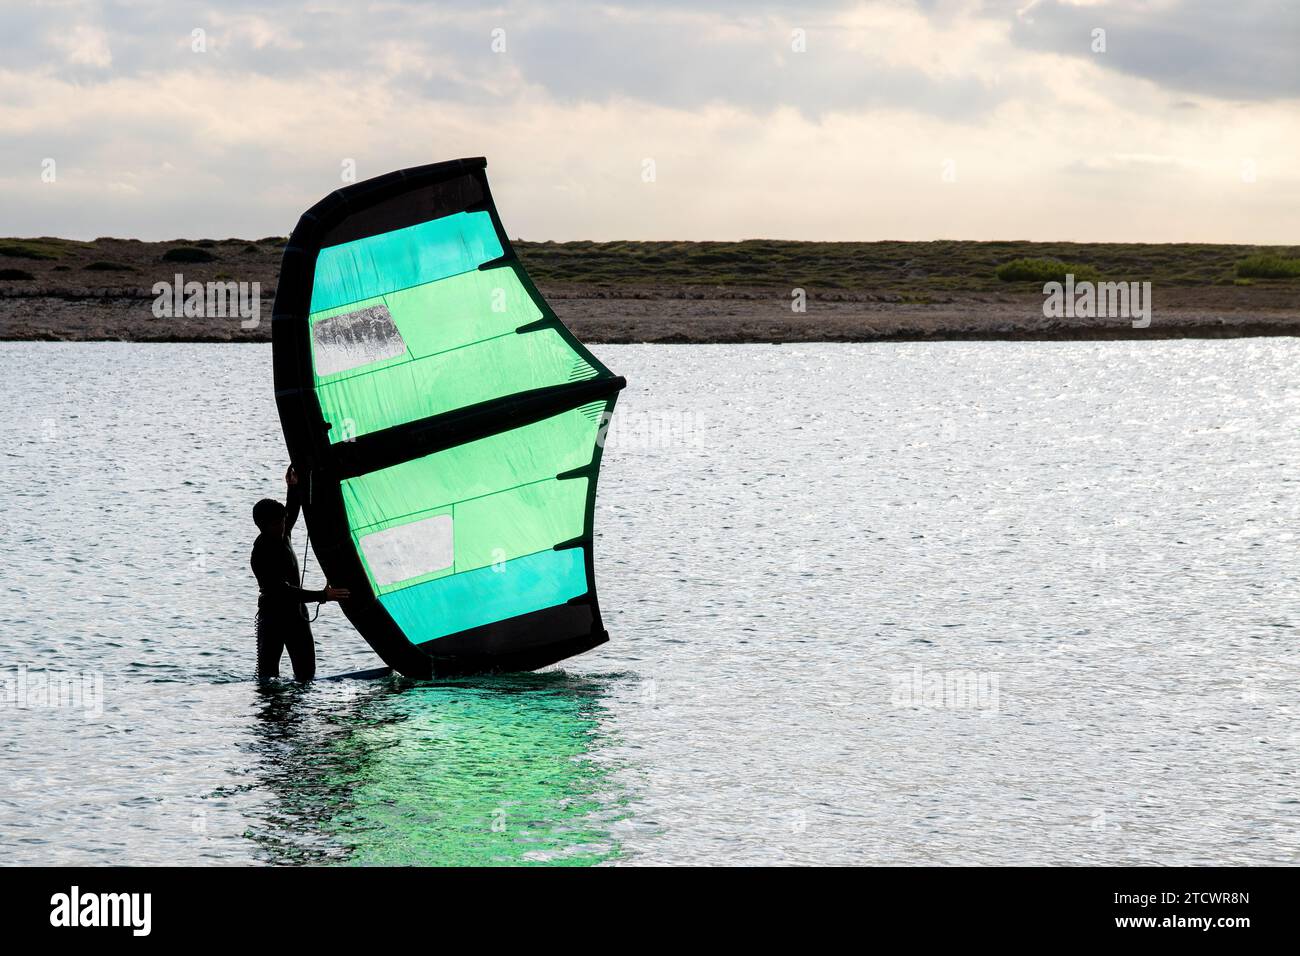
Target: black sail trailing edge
[447,426]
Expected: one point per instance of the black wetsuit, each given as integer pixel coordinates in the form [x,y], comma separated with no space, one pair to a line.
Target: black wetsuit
[281,614]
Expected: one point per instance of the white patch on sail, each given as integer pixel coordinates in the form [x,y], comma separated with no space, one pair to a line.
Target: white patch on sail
[409,550]
[353,339]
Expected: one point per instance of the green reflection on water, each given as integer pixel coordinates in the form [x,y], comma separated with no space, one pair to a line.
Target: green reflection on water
[490,771]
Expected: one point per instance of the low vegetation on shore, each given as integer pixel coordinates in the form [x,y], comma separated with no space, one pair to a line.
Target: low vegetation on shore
[917,268]
[1044,270]
[1269,267]
[940,266]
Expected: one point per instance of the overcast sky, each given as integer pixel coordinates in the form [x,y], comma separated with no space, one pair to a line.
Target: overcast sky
[903,119]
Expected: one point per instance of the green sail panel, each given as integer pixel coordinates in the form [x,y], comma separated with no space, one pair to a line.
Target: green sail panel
[501,494]
[460,346]
[403,258]
[450,425]
[525,585]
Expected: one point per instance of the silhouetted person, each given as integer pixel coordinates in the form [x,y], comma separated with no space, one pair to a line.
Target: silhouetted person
[281,611]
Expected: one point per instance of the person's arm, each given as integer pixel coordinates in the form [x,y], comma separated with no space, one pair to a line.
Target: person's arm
[292,501]
[269,574]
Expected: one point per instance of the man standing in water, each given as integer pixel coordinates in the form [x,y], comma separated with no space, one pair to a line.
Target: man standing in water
[281,612]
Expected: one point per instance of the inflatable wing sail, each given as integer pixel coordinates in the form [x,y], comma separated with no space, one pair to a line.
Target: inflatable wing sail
[446,427]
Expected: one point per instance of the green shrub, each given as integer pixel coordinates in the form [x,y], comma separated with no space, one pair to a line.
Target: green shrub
[21,249]
[1044,270]
[1268,267]
[188,254]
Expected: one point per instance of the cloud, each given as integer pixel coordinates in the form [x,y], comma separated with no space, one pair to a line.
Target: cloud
[844,139]
[1245,49]
[84,45]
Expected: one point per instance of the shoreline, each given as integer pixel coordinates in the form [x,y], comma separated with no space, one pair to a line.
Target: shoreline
[855,292]
[672,316]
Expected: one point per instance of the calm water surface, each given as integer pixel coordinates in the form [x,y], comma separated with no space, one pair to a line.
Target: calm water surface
[922,603]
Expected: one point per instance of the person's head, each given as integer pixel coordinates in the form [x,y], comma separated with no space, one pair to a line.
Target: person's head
[268,515]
